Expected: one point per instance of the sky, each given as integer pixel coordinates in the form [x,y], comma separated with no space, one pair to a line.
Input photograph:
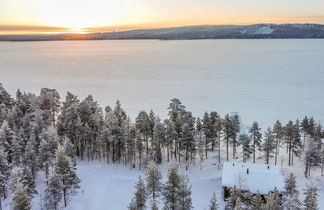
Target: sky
[48,16]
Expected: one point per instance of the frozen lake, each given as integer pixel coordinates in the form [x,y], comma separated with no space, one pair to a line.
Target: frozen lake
[262,80]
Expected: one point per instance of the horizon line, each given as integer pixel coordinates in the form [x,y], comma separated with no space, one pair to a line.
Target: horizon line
[22,29]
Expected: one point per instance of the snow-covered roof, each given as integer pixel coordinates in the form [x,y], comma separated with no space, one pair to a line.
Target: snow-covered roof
[252,177]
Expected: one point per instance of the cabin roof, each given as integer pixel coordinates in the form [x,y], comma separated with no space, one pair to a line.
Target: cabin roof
[252,177]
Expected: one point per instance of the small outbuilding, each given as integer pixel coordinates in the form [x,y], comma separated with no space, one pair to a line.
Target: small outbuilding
[250,177]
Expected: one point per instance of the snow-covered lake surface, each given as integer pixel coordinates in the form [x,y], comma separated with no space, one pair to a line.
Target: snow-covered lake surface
[262,80]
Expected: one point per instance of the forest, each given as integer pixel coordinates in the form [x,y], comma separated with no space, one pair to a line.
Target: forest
[52,134]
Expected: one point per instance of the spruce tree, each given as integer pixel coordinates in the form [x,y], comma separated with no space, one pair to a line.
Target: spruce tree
[291,193]
[213,205]
[310,201]
[140,196]
[171,189]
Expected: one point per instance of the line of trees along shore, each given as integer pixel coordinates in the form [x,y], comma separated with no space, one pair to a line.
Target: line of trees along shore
[43,132]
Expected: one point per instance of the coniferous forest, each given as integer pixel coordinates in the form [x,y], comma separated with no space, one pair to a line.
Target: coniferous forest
[51,134]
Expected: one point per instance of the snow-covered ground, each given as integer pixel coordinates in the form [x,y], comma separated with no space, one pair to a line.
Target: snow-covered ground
[111,186]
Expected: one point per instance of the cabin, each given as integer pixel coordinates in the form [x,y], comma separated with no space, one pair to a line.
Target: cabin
[251,177]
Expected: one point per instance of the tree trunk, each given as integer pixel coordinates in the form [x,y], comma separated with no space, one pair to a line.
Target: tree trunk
[227,141]
[219,155]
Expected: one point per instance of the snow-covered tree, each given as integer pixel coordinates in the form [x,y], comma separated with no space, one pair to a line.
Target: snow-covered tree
[30,157]
[7,137]
[255,138]
[278,133]
[310,201]
[21,199]
[213,205]
[4,175]
[53,192]
[268,145]
[154,206]
[48,145]
[238,204]
[244,141]
[153,180]
[140,196]
[235,194]
[273,200]
[257,202]
[187,141]
[23,175]
[184,192]
[159,136]
[171,189]
[63,168]
[291,193]
[49,100]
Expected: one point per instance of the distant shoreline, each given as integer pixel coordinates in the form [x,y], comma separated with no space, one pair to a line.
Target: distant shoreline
[257,31]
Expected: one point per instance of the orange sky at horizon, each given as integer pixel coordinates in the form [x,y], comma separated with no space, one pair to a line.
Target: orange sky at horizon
[48,16]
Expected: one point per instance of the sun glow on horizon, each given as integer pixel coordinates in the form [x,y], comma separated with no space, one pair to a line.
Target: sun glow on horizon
[85,16]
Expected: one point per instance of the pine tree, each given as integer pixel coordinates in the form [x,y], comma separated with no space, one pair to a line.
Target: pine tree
[278,134]
[50,102]
[312,157]
[53,192]
[69,122]
[207,128]
[291,193]
[23,175]
[268,145]
[159,136]
[140,196]
[235,131]
[245,140]
[310,201]
[184,194]
[213,205]
[273,200]
[187,140]
[153,181]
[21,200]
[64,169]
[256,138]
[227,130]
